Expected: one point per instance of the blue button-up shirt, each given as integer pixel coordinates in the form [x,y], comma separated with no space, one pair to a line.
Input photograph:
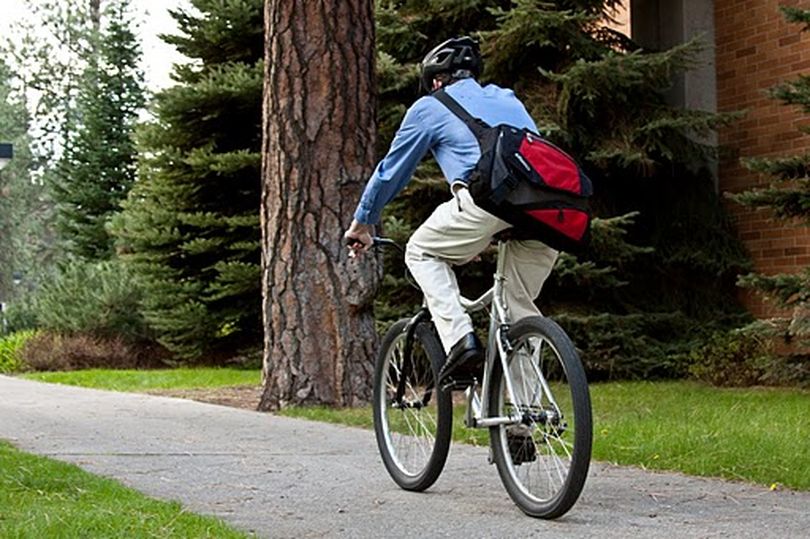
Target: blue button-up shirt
[429,125]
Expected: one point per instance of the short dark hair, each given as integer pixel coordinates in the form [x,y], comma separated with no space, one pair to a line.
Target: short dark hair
[450,78]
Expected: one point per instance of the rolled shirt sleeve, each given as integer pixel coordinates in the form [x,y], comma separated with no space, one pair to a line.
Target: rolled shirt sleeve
[410,144]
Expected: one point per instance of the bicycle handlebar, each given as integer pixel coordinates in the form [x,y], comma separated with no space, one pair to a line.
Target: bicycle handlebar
[376,241]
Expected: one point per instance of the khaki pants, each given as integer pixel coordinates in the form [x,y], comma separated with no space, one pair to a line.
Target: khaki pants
[454,234]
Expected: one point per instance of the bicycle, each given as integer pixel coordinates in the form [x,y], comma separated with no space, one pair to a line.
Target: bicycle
[533,397]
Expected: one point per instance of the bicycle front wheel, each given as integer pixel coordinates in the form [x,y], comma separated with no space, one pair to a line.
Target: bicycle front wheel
[412,417]
[544,460]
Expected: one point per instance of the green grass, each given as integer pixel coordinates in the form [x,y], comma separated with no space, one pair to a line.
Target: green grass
[40,497]
[143,380]
[757,435]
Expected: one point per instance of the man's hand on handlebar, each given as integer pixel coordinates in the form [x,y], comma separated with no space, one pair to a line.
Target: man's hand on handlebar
[358,238]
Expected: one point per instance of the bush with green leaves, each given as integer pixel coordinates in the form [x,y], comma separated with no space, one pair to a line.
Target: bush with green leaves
[748,356]
[11,348]
[96,298]
[19,315]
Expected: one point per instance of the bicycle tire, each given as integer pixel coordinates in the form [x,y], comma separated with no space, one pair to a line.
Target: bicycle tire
[429,428]
[545,468]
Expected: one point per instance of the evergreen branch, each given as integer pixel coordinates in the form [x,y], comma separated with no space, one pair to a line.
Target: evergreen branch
[234,33]
[226,81]
[395,33]
[783,168]
[787,290]
[617,78]
[233,279]
[673,135]
[217,220]
[229,163]
[529,28]
[393,76]
[609,239]
[797,15]
[570,272]
[694,121]
[622,153]
[785,203]
[248,247]
[795,92]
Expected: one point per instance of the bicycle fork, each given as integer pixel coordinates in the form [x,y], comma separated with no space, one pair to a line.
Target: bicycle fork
[407,364]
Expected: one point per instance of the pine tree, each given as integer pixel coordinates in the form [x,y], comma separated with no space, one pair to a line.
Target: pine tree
[49,55]
[25,208]
[190,226]
[663,259]
[97,168]
[15,183]
[788,198]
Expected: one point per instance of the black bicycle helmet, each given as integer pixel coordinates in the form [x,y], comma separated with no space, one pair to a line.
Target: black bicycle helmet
[458,53]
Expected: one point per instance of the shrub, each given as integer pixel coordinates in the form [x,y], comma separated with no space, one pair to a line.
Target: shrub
[730,358]
[18,316]
[11,347]
[48,351]
[100,299]
[748,356]
[631,347]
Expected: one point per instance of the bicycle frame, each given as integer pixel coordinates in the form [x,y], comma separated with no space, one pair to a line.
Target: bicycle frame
[478,414]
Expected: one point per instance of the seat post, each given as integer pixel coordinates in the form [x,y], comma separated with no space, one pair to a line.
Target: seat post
[501,257]
[497,296]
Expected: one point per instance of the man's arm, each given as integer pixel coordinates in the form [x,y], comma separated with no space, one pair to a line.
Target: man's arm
[411,142]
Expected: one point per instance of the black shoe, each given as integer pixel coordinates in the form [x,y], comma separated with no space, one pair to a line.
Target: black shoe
[521,445]
[463,364]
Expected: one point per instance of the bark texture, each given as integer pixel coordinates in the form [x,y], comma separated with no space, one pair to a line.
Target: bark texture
[318,151]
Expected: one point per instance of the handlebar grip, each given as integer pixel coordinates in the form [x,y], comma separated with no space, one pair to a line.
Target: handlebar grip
[354,242]
[376,241]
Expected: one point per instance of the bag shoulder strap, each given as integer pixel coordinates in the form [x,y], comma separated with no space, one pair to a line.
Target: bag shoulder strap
[476,125]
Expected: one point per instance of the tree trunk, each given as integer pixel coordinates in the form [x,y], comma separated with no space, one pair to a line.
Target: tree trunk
[318,151]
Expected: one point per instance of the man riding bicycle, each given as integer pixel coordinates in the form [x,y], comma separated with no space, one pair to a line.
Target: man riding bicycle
[458,230]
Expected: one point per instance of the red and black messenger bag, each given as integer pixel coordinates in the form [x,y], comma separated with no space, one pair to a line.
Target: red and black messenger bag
[528,182]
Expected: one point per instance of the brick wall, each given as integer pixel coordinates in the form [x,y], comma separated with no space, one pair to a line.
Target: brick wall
[756,49]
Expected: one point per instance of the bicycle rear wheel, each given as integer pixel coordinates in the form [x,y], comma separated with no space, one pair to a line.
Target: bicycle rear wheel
[413,419]
[543,461]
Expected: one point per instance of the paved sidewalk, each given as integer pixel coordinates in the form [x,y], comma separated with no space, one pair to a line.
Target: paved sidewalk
[281,477]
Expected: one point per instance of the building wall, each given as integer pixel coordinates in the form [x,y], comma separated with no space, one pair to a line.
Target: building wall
[663,24]
[756,49]
[621,19]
